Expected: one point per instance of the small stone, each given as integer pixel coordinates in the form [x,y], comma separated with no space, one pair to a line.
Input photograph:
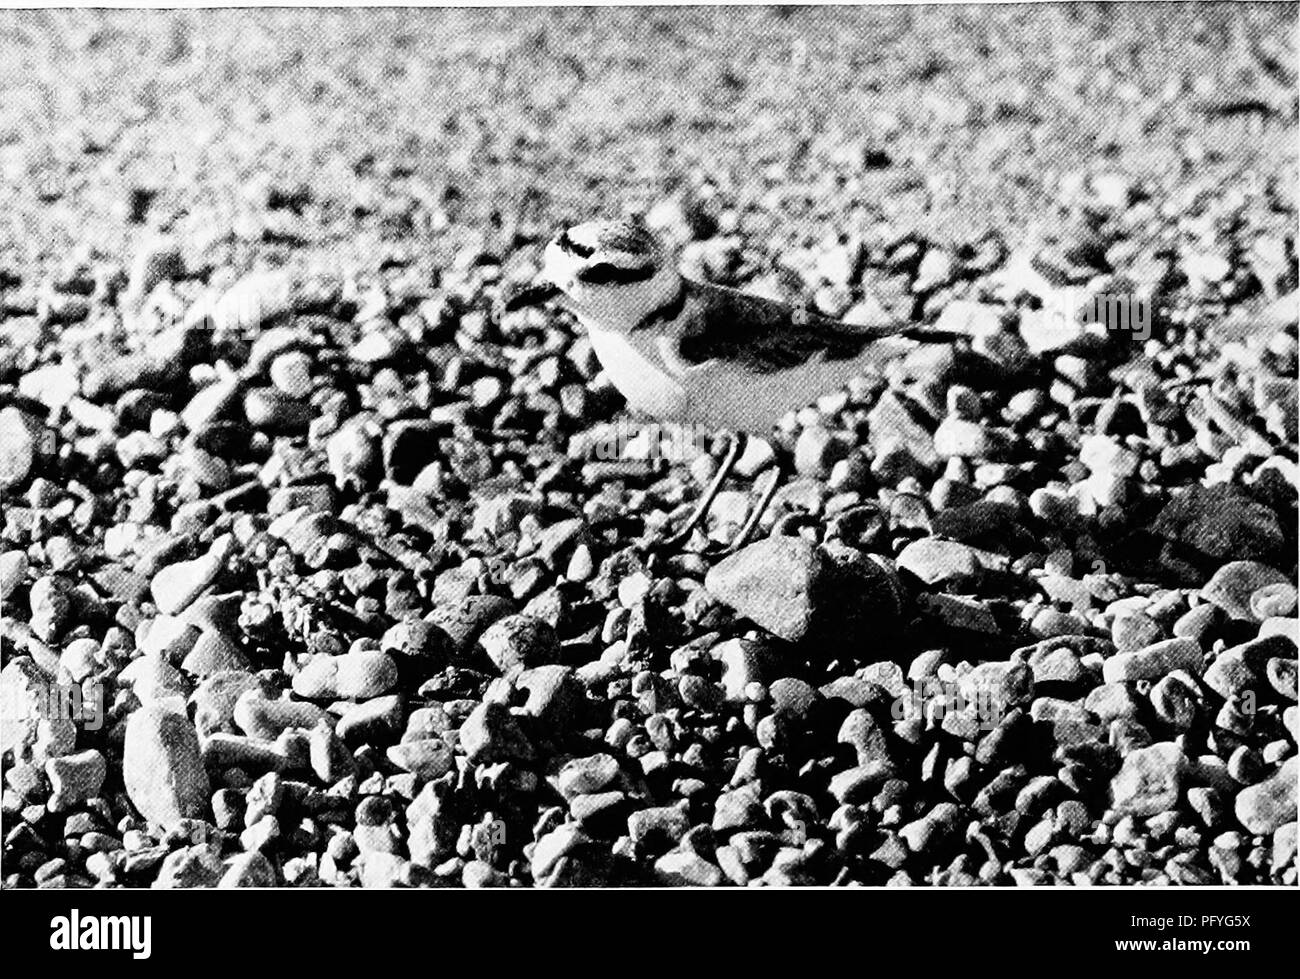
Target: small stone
[792,697]
[1149,781]
[519,641]
[737,810]
[1281,675]
[1235,583]
[1206,526]
[354,676]
[1154,661]
[857,785]
[744,662]
[932,830]
[22,443]
[863,734]
[1132,631]
[428,759]
[490,733]
[329,756]
[1284,846]
[162,768]
[212,653]
[659,826]
[958,438]
[1267,601]
[817,450]
[1230,674]
[265,719]
[582,776]
[28,727]
[687,869]
[1175,701]
[176,586]
[250,869]
[796,590]
[939,562]
[13,572]
[554,696]
[1267,806]
[464,621]
[273,411]
[75,778]
[1196,622]
[997,687]
[290,372]
[51,600]
[1111,701]
[374,721]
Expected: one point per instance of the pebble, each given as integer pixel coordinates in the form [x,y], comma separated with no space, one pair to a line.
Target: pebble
[21,445]
[251,869]
[428,759]
[1149,781]
[176,586]
[265,719]
[13,572]
[939,562]
[519,641]
[75,778]
[587,775]
[490,733]
[1234,585]
[1273,600]
[1281,675]
[1218,524]
[958,438]
[273,411]
[290,372]
[1154,662]
[27,727]
[685,869]
[796,590]
[377,720]
[162,768]
[1175,701]
[1230,674]
[351,676]
[1267,806]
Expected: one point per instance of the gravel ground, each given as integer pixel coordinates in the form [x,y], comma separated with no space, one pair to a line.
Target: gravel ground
[334,566]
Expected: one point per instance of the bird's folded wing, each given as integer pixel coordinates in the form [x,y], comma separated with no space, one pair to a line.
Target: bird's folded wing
[765,336]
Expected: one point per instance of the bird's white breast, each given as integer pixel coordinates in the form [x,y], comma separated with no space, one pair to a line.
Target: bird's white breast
[633,363]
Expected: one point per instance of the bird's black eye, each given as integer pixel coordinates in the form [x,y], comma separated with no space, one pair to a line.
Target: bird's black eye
[606,274]
[572,247]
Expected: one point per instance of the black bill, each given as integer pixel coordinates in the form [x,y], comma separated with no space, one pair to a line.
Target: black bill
[532,295]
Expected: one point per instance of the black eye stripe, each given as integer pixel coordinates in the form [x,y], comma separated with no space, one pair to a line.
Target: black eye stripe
[606,273]
[573,248]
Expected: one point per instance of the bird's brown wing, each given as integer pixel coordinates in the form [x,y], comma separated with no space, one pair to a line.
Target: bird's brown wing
[766,336]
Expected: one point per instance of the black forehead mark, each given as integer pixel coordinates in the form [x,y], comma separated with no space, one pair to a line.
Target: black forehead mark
[572,247]
[606,273]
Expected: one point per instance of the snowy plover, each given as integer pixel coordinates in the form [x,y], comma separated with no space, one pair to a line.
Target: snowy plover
[699,353]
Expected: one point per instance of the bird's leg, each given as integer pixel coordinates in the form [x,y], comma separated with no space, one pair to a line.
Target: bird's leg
[755,515]
[734,451]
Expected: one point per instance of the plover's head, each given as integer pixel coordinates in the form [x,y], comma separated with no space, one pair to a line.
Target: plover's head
[610,272]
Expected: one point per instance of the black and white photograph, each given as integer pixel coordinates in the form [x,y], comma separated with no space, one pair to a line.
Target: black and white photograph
[845,448]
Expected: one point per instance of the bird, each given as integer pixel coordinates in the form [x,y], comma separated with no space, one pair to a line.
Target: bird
[691,352]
